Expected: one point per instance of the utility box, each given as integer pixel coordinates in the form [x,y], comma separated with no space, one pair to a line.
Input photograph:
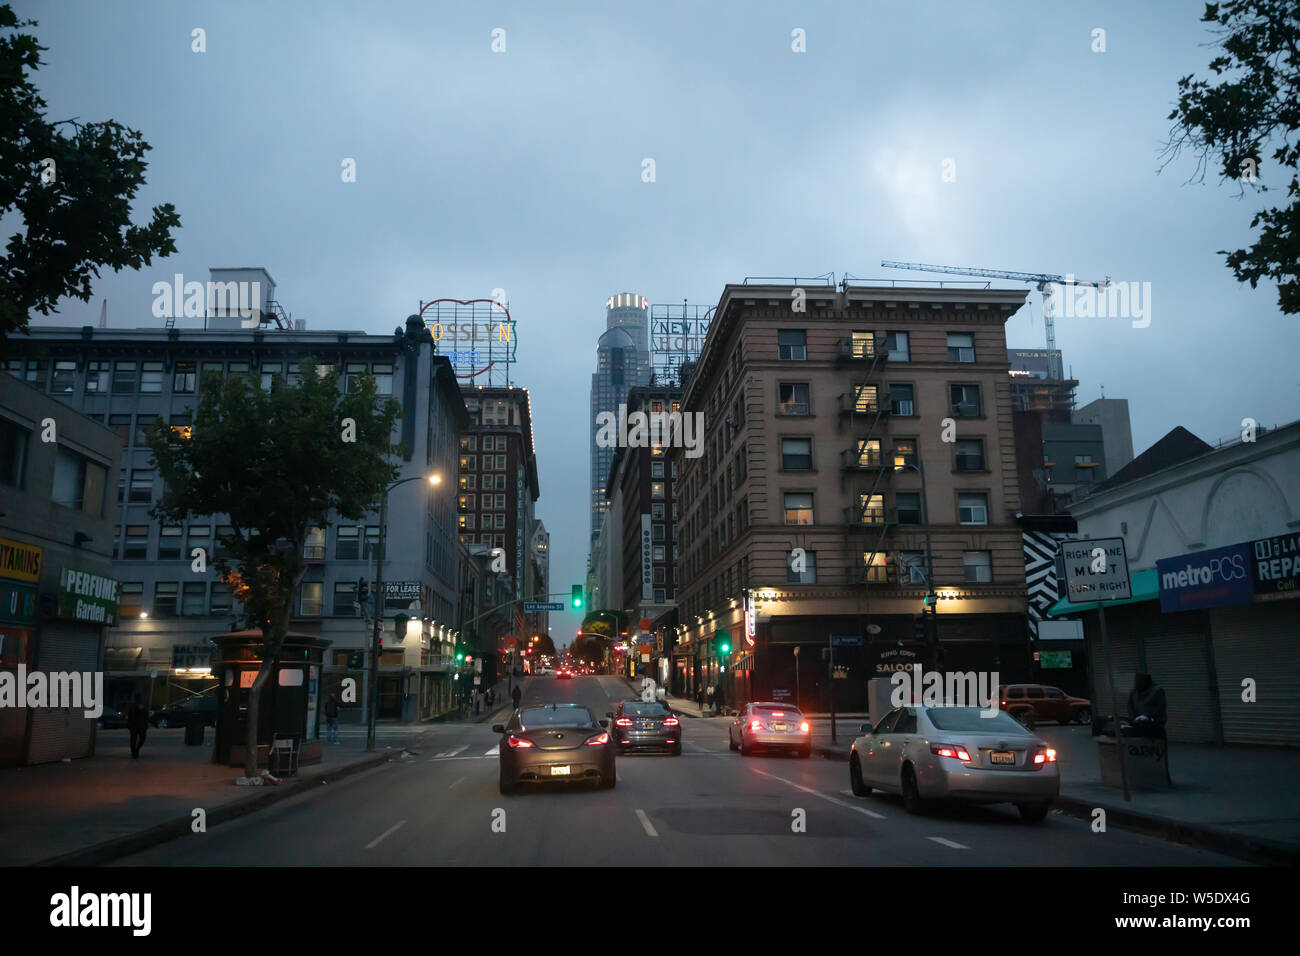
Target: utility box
[1145,758]
[878,702]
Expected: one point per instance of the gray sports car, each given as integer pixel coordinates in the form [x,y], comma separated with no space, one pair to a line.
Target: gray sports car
[562,743]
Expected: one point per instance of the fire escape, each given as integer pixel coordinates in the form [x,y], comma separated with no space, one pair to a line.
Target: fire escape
[864,465]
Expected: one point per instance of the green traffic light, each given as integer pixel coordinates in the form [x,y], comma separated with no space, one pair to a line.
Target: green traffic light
[726,648]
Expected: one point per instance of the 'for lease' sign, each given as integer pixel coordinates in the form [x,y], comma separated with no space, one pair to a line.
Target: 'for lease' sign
[1096,570]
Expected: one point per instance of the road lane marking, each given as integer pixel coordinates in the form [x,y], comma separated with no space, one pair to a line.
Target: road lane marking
[646,824]
[387,833]
[458,780]
[827,797]
[494,752]
[948,843]
[452,753]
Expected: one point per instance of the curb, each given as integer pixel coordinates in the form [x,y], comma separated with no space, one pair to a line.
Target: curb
[110,850]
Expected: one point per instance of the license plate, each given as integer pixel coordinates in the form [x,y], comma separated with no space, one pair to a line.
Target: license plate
[778,726]
[1002,756]
[560,771]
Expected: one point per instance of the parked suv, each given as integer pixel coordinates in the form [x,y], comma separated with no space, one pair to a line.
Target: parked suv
[1030,703]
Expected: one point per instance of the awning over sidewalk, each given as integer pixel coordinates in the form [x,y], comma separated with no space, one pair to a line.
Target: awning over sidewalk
[1145,585]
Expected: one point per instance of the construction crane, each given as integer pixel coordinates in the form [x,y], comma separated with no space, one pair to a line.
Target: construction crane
[1041,280]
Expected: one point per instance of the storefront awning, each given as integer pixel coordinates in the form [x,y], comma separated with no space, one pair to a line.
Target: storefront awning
[1145,585]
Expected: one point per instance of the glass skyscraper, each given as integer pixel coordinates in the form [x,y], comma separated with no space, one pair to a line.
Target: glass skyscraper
[622,361]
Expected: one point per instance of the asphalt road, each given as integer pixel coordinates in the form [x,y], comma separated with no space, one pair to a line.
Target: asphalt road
[709,806]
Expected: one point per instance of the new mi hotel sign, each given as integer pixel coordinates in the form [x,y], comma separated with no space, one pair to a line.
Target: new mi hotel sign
[1222,577]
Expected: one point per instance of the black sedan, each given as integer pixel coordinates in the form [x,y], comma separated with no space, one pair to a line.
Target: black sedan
[178,715]
[646,725]
[562,743]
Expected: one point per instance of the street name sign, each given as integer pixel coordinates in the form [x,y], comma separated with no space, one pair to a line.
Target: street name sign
[533,607]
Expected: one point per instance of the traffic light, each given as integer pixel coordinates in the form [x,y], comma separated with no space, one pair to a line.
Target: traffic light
[399,625]
[918,626]
[929,600]
[363,590]
[576,597]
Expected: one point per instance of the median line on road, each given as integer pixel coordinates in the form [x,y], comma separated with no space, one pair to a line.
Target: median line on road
[387,833]
[827,797]
[646,824]
[948,843]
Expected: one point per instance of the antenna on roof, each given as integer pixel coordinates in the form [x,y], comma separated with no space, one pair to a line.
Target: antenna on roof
[103,314]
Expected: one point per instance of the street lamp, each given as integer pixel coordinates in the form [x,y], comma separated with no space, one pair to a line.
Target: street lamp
[931,624]
[373,693]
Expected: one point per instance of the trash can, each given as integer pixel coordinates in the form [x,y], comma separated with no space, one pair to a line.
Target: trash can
[194,730]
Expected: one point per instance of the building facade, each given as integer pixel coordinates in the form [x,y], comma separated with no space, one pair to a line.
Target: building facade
[128,378]
[58,593]
[834,438]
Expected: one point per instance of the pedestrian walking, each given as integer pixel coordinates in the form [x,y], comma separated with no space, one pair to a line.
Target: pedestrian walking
[515,695]
[719,701]
[332,720]
[699,697]
[709,695]
[137,721]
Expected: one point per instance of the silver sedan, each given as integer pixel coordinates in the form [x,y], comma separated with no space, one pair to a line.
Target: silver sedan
[928,754]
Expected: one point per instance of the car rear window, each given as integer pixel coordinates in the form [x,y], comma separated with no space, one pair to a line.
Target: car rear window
[970,719]
[637,708]
[559,717]
[788,711]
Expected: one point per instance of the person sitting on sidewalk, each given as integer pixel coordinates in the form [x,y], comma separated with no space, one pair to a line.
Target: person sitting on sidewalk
[1146,708]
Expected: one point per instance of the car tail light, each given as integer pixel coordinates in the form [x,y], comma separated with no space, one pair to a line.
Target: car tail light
[755,725]
[1045,755]
[623,722]
[671,722]
[599,740]
[956,751]
[803,727]
[518,742]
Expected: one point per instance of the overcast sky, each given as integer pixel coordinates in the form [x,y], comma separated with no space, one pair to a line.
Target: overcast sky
[522,170]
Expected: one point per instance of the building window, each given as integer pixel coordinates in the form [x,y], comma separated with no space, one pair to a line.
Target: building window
[901,400]
[659,576]
[467,522]
[183,378]
[809,573]
[352,374]
[141,487]
[312,602]
[65,378]
[868,452]
[383,378]
[897,347]
[501,463]
[97,376]
[79,483]
[371,549]
[151,378]
[656,489]
[164,599]
[657,510]
[657,532]
[961,347]
[137,543]
[466,502]
[169,542]
[660,596]
[656,469]
[345,598]
[313,548]
[970,454]
[221,602]
[866,399]
[792,399]
[871,509]
[966,401]
[500,521]
[467,482]
[132,602]
[792,345]
[124,378]
[657,553]
[468,462]
[909,507]
[978,567]
[13,453]
[120,425]
[913,563]
[499,541]
[199,538]
[798,508]
[904,453]
[469,443]
[347,546]
[194,599]
[796,454]
[973,509]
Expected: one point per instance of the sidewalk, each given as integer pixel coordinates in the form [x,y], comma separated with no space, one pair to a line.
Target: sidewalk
[1237,800]
[89,811]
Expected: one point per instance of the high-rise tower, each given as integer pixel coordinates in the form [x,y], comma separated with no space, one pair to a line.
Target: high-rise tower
[622,361]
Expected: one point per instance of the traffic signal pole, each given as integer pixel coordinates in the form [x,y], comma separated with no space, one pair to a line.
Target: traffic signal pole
[373,692]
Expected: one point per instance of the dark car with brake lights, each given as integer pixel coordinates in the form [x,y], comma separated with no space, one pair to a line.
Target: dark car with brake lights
[645,725]
[562,743]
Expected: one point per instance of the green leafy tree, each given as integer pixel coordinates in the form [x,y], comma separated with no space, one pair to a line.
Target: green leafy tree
[1253,103]
[277,463]
[73,193]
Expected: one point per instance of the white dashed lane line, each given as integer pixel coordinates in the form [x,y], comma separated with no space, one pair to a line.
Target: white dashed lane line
[494,752]
[452,753]
[646,825]
[387,833]
[948,843]
[829,799]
